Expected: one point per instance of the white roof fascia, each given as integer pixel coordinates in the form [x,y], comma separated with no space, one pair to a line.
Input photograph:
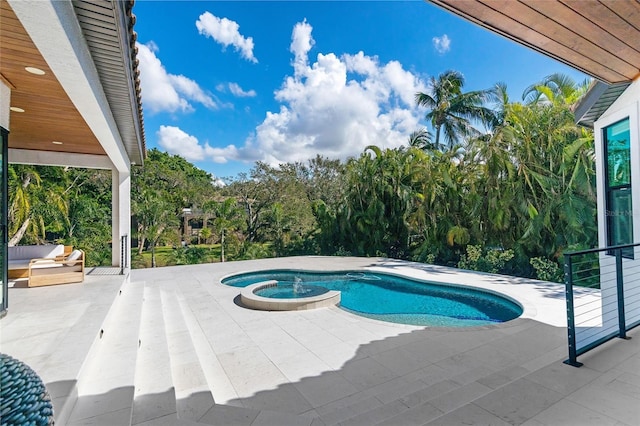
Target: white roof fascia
[54,29]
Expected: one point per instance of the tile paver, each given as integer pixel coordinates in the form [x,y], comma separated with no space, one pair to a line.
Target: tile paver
[328,366]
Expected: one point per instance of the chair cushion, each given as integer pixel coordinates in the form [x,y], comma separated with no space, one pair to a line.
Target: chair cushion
[45,264]
[73,256]
[19,264]
[35,251]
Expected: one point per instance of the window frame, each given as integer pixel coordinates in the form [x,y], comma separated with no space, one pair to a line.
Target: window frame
[611,190]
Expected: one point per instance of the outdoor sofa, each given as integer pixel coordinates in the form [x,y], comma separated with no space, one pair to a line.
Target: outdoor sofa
[46,264]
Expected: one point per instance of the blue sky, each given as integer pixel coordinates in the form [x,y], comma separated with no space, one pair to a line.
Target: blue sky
[227,83]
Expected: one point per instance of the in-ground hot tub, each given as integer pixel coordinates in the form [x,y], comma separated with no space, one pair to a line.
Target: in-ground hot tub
[269,296]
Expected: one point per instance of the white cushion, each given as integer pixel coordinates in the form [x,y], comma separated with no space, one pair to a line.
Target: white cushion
[40,264]
[73,256]
[19,264]
[35,251]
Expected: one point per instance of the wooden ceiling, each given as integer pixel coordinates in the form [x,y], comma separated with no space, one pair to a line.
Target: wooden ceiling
[49,113]
[598,37]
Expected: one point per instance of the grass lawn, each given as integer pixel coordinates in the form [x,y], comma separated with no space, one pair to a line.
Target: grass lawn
[198,253]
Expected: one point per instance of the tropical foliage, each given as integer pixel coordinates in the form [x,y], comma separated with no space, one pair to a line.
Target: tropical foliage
[489,184]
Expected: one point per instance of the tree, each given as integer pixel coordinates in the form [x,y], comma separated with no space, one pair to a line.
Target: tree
[451,112]
[380,195]
[558,89]
[227,218]
[291,185]
[255,193]
[537,171]
[175,184]
[205,234]
[421,139]
[89,224]
[155,220]
[36,206]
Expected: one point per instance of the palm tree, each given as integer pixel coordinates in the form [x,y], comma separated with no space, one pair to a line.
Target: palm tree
[155,220]
[556,89]
[34,207]
[228,217]
[421,139]
[451,112]
[205,234]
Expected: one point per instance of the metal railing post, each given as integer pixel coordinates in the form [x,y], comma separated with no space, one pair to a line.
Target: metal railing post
[121,254]
[622,327]
[571,325]
[124,245]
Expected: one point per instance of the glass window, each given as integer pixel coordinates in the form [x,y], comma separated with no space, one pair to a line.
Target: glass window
[619,210]
[621,225]
[618,142]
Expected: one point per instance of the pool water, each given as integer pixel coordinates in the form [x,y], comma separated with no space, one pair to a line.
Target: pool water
[396,299]
[291,291]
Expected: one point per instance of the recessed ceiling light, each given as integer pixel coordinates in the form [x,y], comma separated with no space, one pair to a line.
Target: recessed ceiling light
[34,70]
[56,143]
[16,109]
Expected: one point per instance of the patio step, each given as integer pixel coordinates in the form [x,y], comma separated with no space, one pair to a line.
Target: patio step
[210,371]
[192,394]
[66,362]
[154,395]
[105,386]
[221,388]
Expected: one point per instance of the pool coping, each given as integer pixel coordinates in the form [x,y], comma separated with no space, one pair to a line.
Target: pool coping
[538,298]
[262,303]
[251,300]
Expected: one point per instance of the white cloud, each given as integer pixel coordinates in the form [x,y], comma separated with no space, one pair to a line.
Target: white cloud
[226,32]
[162,91]
[236,90]
[301,44]
[218,183]
[222,155]
[177,142]
[442,44]
[334,106]
[191,90]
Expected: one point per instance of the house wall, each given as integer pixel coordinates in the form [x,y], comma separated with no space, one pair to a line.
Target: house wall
[627,105]
[5,103]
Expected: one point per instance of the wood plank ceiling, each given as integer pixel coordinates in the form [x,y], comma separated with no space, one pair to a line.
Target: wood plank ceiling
[49,115]
[598,37]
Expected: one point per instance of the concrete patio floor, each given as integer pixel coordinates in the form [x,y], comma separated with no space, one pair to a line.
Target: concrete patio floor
[171,346]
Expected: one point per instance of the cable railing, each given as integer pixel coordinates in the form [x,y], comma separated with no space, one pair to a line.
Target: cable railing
[124,253]
[603,296]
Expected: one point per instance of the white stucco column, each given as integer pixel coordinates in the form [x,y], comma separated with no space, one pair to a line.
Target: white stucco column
[120,214]
[5,103]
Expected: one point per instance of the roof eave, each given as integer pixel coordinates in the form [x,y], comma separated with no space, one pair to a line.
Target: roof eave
[121,85]
[596,101]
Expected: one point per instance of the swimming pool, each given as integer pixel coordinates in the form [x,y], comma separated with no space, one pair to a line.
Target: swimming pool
[396,299]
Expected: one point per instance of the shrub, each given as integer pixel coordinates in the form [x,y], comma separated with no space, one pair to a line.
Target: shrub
[479,259]
[547,270]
